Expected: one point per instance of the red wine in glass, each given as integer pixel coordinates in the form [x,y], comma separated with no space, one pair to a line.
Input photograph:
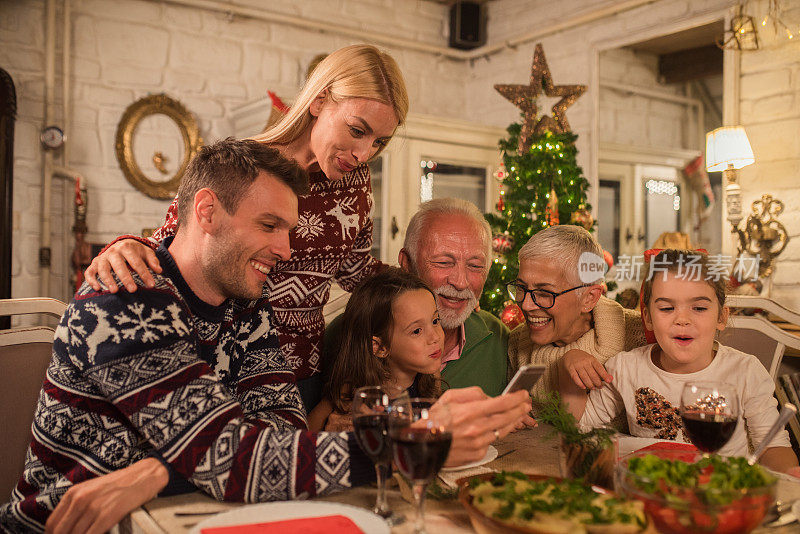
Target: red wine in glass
[420,431]
[419,453]
[370,416]
[707,431]
[372,435]
[709,412]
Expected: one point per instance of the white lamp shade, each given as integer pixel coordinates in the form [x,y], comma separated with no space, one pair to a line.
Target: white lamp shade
[728,146]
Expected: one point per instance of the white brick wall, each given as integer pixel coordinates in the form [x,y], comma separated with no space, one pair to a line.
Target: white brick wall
[126,49]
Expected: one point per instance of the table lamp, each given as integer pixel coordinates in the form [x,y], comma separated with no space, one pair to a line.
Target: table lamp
[727,150]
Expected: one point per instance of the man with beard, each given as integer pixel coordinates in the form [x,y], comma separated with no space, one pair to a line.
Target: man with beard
[448,245]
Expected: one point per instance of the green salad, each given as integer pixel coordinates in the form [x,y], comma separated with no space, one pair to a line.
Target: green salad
[712,480]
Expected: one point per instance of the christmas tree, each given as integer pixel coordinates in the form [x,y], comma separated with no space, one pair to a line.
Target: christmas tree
[542,184]
[541,187]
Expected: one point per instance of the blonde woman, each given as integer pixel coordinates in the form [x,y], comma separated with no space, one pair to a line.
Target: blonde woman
[345,115]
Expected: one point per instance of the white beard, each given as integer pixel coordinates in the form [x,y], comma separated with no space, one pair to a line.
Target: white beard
[451,319]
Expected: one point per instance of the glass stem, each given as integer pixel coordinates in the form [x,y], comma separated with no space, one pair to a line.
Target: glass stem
[381,503]
[419,500]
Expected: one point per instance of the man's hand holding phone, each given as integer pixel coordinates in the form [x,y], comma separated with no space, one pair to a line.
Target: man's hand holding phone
[524,379]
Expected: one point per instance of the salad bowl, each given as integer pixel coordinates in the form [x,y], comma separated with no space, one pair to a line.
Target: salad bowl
[686,492]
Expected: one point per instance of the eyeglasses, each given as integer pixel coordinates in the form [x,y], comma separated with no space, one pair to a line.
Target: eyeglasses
[541,297]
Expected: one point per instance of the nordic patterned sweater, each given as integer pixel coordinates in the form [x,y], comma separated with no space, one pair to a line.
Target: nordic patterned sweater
[332,241]
[161,372]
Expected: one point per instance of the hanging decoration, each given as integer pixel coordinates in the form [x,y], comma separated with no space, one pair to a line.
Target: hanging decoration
[608,258]
[277,111]
[502,243]
[582,217]
[500,174]
[774,14]
[512,315]
[741,33]
[524,97]
[551,211]
[175,149]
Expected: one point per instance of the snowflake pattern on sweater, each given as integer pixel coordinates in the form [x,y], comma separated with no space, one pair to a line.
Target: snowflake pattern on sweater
[332,241]
[205,387]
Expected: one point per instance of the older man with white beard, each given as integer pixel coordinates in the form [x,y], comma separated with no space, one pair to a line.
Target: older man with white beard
[448,245]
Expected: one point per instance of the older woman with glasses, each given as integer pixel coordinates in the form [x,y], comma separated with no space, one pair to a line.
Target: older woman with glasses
[566,316]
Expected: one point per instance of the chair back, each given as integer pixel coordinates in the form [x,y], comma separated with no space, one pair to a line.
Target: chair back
[25,353]
[763,303]
[759,337]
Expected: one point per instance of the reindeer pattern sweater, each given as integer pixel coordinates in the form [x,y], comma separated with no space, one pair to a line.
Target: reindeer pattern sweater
[205,387]
[332,241]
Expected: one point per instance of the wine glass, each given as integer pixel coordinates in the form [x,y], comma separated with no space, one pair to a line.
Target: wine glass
[709,412]
[370,412]
[420,431]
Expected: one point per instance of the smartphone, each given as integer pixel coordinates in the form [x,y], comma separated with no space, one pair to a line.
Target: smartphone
[525,378]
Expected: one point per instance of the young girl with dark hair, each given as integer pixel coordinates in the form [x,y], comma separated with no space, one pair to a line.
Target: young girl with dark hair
[390,336]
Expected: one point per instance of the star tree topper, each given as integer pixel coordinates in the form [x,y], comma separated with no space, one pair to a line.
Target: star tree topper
[524,97]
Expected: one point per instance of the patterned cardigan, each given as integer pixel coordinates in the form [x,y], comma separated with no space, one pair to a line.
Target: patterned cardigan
[160,372]
[332,241]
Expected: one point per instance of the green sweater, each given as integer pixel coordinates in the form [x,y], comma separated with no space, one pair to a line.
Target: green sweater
[483,362]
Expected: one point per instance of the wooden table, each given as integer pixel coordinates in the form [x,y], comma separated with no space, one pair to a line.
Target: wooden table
[526,450]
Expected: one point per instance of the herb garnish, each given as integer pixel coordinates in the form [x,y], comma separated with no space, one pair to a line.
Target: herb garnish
[519,498]
[550,410]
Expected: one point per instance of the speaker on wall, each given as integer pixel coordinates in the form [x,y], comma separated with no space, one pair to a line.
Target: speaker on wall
[467,25]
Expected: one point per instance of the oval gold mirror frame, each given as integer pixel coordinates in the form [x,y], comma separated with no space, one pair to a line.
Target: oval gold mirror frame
[134,114]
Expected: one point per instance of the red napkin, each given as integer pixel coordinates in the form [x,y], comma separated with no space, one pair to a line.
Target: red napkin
[670,445]
[306,525]
[690,449]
